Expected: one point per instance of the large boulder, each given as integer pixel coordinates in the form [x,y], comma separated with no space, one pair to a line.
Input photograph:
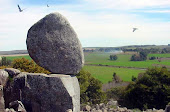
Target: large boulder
[53,44]
[44,93]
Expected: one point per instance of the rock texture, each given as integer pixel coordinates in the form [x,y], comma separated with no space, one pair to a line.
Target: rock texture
[53,44]
[44,93]
[3,77]
[2,103]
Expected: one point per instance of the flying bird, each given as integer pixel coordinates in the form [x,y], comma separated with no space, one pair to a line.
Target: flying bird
[134,29]
[20,10]
[48,5]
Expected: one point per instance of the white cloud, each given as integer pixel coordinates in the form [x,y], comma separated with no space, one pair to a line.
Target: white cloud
[129,4]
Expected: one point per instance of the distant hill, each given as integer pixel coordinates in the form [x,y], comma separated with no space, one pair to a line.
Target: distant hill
[13,52]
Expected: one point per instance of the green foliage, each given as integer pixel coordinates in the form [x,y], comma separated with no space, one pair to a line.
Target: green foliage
[152,58]
[115,93]
[124,60]
[113,57]
[116,78]
[26,65]
[141,57]
[150,91]
[134,78]
[90,88]
[5,62]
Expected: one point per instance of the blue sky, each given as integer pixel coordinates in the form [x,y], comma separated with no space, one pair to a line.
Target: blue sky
[98,23]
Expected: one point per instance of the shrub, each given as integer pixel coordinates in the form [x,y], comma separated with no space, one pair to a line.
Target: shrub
[90,88]
[28,66]
[113,57]
[115,93]
[5,62]
[152,58]
[150,91]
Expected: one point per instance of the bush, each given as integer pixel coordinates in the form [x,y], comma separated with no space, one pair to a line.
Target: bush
[134,78]
[152,58]
[141,57]
[116,78]
[5,62]
[150,91]
[90,88]
[115,93]
[28,66]
[113,57]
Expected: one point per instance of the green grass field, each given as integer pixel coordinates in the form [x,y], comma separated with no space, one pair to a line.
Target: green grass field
[16,57]
[160,55]
[124,60]
[105,74]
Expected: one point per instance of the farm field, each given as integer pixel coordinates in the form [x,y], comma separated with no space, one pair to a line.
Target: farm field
[16,57]
[105,74]
[124,60]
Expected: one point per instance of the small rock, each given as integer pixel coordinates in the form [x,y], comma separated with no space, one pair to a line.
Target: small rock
[97,107]
[104,110]
[112,102]
[88,108]
[69,110]
[17,106]
[93,110]
[2,103]
[102,105]
[167,109]
[9,110]
[3,77]
[12,72]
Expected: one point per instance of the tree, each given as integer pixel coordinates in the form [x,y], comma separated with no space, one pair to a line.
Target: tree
[113,57]
[152,58]
[141,57]
[150,91]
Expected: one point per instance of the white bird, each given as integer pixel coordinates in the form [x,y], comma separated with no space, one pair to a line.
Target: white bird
[135,29]
[20,10]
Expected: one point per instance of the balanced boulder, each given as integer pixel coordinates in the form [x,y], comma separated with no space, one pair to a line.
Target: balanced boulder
[53,44]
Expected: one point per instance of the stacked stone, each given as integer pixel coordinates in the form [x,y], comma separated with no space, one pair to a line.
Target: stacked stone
[53,44]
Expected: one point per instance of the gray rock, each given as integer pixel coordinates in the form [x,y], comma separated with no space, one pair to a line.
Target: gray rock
[12,72]
[104,110]
[87,108]
[167,109]
[97,107]
[17,106]
[2,103]
[44,93]
[3,77]
[69,110]
[9,110]
[53,44]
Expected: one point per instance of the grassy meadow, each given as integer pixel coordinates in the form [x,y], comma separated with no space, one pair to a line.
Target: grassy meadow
[124,60]
[104,73]
[16,57]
